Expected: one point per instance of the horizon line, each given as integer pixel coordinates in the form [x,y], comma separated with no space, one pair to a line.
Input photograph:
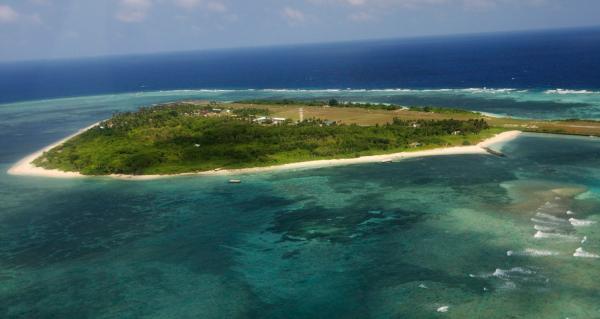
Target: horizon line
[296,44]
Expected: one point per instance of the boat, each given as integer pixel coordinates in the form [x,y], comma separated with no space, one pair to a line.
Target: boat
[386,161]
[494,152]
[234,181]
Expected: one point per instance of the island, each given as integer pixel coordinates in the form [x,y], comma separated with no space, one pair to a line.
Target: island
[203,137]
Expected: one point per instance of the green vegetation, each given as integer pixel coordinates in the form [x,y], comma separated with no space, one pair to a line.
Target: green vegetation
[374,106]
[441,110]
[284,102]
[184,137]
[250,112]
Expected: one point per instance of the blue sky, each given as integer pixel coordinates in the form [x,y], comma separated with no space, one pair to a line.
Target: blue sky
[32,29]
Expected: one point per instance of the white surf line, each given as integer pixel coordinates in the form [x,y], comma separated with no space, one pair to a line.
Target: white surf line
[580,222]
[579,252]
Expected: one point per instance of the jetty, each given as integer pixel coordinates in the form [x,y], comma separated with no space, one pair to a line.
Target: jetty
[494,152]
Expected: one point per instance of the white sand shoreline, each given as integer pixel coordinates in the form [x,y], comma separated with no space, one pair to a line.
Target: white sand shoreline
[25,166]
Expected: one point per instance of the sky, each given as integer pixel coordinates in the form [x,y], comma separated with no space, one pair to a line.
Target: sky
[47,29]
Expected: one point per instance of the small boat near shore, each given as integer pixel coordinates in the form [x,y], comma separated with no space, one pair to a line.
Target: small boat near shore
[234,181]
[494,152]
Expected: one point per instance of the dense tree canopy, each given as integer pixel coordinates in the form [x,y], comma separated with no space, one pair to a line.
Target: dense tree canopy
[178,138]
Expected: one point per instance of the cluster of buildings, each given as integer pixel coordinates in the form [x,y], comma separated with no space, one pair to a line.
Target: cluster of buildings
[264,120]
[269,120]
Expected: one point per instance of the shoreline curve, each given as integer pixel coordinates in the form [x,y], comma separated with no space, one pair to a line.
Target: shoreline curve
[25,166]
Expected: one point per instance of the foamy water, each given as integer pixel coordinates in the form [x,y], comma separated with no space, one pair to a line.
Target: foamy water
[532,252]
[580,222]
[579,252]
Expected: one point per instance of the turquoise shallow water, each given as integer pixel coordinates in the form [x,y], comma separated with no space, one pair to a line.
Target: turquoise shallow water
[483,236]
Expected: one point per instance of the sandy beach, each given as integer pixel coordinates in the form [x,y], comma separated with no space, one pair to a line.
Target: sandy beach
[25,166]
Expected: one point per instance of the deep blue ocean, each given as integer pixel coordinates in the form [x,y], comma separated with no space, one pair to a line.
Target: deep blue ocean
[565,59]
[463,236]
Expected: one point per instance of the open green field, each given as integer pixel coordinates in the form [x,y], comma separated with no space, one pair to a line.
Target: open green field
[371,116]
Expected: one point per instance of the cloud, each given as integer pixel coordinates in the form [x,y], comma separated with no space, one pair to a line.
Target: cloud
[480,4]
[131,11]
[41,2]
[216,6]
[188,4]
[293,16]
[356,2]
[413,4]
[8,14]
[360,17]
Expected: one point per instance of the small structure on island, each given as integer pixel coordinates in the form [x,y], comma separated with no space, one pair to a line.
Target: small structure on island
[458,132]
[415,144]
[269,120]
[278,120]
[260,119]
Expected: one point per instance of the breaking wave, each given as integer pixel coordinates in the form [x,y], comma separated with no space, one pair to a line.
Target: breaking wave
[544,235]
[579,252]
[543,228]
[566,91]
[532,252]
[580,222]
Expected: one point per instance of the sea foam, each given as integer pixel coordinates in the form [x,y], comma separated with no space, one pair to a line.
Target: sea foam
[580,222]
[504,273]
[565,91]
[579,252]
[551,217]
[532,252]
[544,235]
[443,309]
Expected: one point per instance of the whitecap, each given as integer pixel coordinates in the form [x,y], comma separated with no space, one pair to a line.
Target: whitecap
[570,212]
[507,273]
[423,286]
[551,217]
[579,252]
[488,90]
[544,235]
[580,222]
[443,309]
[584,240]
[565,91]
[532,252]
